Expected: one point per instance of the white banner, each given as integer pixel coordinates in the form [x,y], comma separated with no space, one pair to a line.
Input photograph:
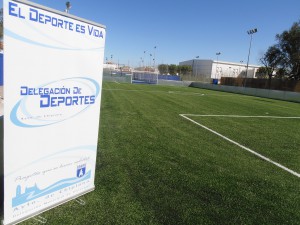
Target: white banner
[53,66]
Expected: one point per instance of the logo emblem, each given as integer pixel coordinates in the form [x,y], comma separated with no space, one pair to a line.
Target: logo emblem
[81,170]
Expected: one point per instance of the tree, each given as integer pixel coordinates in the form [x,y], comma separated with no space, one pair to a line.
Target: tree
[289,44]
[173,69]
[272,59]
[281,73]
[262,72]
[285,55]
[184,69]
[163,68]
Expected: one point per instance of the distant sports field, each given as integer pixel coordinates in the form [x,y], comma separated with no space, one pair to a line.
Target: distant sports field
[179,155]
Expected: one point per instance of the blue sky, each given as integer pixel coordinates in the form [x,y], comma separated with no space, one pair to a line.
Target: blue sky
[184,29]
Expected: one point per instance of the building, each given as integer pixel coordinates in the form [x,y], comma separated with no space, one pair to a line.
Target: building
[206,69]
[110,66]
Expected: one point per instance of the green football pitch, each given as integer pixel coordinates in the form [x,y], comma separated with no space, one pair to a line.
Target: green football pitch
[180,155]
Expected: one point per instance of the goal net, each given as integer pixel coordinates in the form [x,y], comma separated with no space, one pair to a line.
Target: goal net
[145,77]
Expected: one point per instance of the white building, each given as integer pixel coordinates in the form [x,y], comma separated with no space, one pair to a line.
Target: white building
[110,66]
[206,69]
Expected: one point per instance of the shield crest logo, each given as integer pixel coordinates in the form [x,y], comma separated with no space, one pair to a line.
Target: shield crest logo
[81,170]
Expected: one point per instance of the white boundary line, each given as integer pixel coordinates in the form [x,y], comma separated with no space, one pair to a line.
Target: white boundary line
[238,116]
[185,116]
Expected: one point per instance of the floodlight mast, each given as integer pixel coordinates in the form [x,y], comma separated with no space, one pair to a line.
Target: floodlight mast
[68,7]
[154,59]
[197,57]
[250,32]
[217,54]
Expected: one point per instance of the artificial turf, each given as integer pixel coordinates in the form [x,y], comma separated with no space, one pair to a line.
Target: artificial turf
[155,167]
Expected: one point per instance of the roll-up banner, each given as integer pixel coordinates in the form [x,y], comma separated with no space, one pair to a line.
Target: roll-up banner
[53,65]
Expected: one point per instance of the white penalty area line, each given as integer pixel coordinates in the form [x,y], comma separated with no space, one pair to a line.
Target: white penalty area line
[186,116]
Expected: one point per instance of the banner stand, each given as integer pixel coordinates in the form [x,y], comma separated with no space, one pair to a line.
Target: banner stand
[43,220]
[40,219]
[51,109]
[80,201]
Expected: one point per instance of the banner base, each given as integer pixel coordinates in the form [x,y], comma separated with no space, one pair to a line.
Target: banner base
[40,219]
[46,209]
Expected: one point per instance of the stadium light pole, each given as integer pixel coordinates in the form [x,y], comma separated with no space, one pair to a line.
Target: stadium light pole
[144,60]
[250,32]
[193,67]
[150,61]
[141,62]
[240,67]
[154,57]
[111,56]
[68,7]
[197,57]
[218,53]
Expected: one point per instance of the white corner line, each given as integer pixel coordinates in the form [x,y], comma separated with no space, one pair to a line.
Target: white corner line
[239,116]
[239,145]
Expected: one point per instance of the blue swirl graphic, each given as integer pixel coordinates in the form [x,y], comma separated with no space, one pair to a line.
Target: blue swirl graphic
[28,41]
[34,192]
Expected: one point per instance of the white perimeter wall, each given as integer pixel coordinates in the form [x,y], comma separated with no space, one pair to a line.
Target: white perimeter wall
[265,93]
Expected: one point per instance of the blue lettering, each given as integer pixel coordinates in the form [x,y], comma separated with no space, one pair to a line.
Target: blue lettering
[77,29]
[80,28]
[54,22]
[92,98]
[83,29]
[12,9]
[68,101]
[75,100]
[60,23]
[30,91]
[81,98]
[20,16]
[60,100]
[101,34]
[46,102]
[24,90]
[33,15]
[94,32]
[71,26]
[41,18]
[53,101]
[90,30]
[41,91]
[76,90]
[86,100]
[47,19]
[46,91]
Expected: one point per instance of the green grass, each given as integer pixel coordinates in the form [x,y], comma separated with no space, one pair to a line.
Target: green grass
[155,167]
